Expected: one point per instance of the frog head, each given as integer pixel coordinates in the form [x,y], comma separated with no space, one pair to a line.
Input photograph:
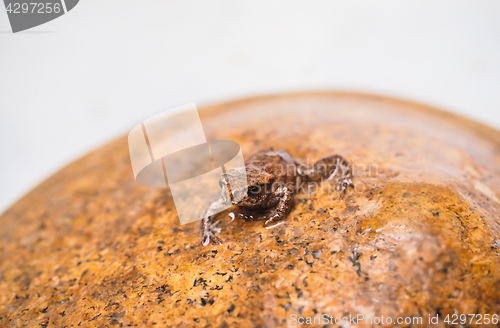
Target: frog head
[254,193]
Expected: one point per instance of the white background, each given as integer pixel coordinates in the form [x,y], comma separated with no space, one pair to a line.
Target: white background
[107,65]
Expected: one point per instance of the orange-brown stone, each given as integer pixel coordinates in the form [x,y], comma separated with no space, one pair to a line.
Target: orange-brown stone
[419,236]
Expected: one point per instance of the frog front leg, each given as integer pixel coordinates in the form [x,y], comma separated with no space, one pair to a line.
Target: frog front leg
[208,231]
[208,227]
[283,207]
[328,168]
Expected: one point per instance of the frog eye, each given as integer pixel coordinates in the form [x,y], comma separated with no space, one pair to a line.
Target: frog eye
[253,189]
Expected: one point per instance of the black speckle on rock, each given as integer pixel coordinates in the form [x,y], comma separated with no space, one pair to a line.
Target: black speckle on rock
[231,308]
[299,292]
[205,301]
[163,289]
[217,287]
[170,253]
[220,273]
[95,317]
[317,254]
[354,259]
[286,307]
[200,281]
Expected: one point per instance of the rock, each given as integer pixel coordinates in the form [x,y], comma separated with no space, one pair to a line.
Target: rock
[418,237]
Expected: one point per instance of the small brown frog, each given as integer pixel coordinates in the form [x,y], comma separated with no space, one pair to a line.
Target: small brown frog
[273,177]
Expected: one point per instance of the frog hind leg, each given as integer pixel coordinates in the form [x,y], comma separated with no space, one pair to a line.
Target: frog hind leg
[286,157]
[328,168]
[284,206]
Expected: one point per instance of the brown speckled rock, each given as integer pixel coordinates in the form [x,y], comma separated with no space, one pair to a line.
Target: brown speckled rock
[420,236]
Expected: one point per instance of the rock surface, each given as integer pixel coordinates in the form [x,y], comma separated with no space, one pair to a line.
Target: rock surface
[419,237]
